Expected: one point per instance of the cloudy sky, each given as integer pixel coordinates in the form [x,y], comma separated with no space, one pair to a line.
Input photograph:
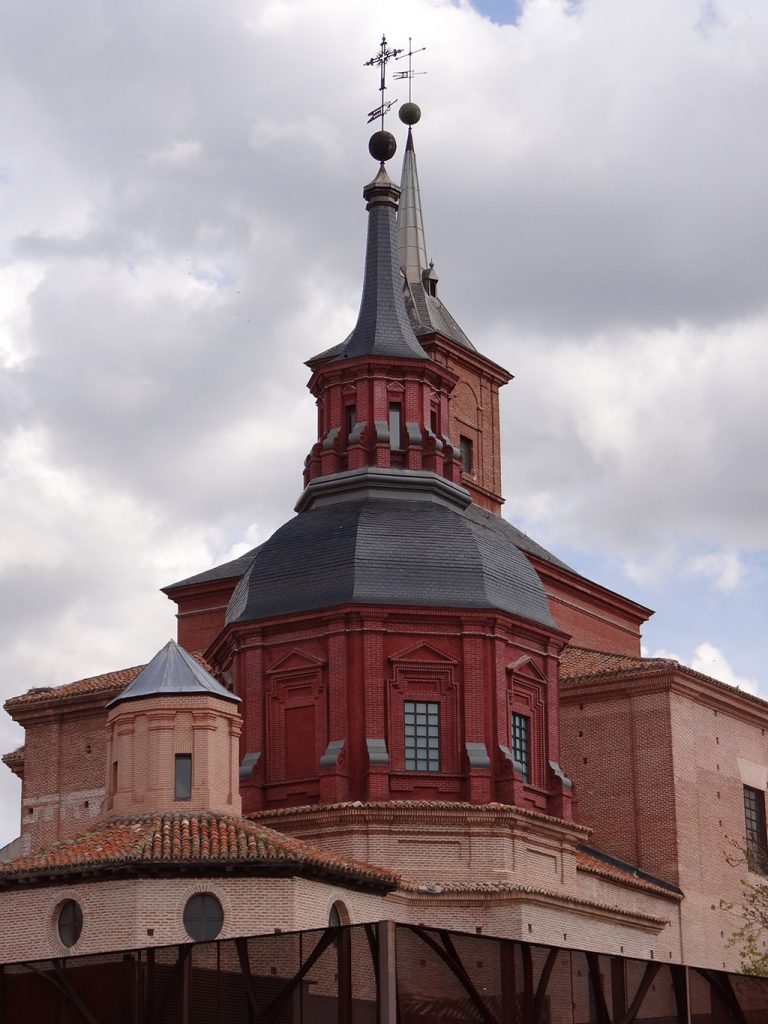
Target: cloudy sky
[181,225]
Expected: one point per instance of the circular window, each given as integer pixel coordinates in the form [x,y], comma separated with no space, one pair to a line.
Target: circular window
[70,923]
[203,917]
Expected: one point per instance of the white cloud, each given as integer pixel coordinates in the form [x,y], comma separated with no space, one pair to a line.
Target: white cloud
[725,569]
[183,151]
[712,662]
[182,227]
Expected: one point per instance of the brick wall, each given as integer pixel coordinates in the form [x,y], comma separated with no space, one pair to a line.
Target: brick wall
[660,768]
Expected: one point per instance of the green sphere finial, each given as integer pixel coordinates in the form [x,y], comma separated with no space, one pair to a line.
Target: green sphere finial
[409,113]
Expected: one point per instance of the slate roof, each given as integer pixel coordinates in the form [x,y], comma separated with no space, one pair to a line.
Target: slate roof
[202,841]
[233,569]
[383,327]
[427,313]
[171,672]
[238,566]
[388,551]
[519,539]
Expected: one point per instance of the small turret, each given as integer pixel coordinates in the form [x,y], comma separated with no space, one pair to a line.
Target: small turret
[172,741]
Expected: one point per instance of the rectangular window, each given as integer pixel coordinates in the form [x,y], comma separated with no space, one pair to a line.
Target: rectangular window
[465,446]
[350,419]
[183,777]
[114,777]
[422,736]
[521,749]
[754,826]
[395,426]
[433,421]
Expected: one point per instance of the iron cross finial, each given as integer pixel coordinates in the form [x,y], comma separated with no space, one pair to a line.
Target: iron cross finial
[381,59]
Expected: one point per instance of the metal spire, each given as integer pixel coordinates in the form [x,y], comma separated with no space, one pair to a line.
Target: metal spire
[426,311]
[411,244]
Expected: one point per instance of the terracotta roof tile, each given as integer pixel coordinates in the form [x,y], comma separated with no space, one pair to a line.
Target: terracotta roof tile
[106,684]
[430,806]
[577,662]
[586,861]
[204,839]
[14,761]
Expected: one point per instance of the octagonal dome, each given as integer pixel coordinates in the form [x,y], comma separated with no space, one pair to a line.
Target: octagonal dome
[388,551]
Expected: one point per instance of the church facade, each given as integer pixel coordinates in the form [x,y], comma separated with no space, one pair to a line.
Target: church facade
[397,708]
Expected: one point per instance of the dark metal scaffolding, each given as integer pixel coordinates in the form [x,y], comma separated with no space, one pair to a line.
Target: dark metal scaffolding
[373,974]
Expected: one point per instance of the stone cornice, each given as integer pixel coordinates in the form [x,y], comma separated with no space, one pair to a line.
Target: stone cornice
[425,814]
[434,894]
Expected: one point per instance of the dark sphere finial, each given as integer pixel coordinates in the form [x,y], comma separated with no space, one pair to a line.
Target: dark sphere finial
[382,146]
[409,113]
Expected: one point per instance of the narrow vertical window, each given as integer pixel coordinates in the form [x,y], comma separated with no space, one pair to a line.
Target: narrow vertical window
[433,421]
[349,416]
[521,749]
[395,426]
[183,777]
[422,736]
[754,827]
[114,778]
[465,446]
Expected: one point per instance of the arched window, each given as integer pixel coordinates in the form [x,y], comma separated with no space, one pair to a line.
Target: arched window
[70,922]
[203,917]
[338,916]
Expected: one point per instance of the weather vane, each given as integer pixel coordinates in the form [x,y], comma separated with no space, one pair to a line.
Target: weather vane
[381,59]
[410,73]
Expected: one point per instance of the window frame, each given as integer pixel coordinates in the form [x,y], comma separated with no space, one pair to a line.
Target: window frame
[69,923]
[432,735]
[182,786]
[755,836]
[467,449]
[203,900]
[520,742]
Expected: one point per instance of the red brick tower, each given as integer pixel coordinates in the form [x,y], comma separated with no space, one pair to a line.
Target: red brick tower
[391,642]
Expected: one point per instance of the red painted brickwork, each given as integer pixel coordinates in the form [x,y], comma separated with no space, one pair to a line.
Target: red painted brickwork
[201,611]
[355,430]
[474,413]
[593,616]
[345,675]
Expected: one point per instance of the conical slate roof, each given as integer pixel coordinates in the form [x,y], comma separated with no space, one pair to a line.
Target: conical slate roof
[383,327]
[428,315]
[172,671]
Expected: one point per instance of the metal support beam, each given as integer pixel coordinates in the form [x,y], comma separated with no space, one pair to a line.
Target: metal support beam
[344,976]
[386,973]
[682,990]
